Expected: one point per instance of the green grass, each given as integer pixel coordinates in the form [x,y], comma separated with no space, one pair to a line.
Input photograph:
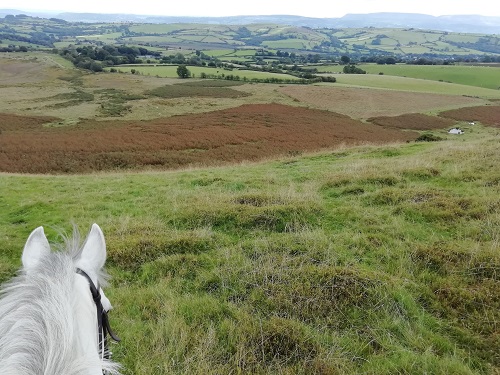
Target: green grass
[155,39]
[114,103]
[244,53]
[463,38]
[370,260]
[290,43]
[479,76]
[108,38]
[409,41]
[238,59]
[410,84]
[170,71]
[483,77]
[392,40]
[218,53]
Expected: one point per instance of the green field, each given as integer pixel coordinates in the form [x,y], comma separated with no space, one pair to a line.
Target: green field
[105,38]
[238,59]
[219,53]
[409,41]
[242,55]
[244,52]
[412,84]
[170,71]
[372,260]
[8,42]
[290,43]
[302,40]
[480,76]
[485,77]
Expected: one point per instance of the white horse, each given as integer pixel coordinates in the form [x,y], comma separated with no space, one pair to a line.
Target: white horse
[53,315]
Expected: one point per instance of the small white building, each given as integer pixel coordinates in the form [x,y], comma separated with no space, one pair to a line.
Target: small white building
[456,131]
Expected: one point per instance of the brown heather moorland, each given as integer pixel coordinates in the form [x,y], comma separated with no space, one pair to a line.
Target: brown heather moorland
[17,123]
[55,119]
[413,121]
[248,132]
[487,115]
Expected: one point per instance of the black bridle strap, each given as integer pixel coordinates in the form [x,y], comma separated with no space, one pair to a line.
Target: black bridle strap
[103,326]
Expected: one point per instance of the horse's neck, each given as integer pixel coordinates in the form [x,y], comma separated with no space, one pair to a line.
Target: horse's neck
[85,323]
[60,340]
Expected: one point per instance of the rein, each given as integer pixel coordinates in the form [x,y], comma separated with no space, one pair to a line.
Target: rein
[103,326]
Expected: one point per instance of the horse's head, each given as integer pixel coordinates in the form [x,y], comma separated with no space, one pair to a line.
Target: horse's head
[84,298]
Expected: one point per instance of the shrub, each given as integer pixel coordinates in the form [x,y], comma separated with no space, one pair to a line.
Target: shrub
[427,137]
[352,69]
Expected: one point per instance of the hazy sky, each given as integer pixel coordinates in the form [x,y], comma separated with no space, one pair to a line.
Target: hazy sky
[308,8]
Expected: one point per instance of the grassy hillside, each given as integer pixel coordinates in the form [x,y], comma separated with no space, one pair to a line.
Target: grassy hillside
[49,33]
[414,85]
[484,77]
[371,260]
[480,76]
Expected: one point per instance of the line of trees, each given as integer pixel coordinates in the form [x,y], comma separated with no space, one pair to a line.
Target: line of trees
[198,59]
[38,38]
[482,44]
[353,69]
[13,48]
[235,77]
[96,58]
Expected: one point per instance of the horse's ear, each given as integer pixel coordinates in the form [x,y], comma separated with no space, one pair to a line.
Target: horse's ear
[94,250]
[36,248]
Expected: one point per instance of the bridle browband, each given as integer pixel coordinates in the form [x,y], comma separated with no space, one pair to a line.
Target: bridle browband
[103,326]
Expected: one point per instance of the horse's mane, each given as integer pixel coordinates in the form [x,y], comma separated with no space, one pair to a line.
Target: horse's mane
[36,319]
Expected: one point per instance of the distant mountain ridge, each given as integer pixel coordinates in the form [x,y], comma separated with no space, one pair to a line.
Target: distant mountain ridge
[458,23]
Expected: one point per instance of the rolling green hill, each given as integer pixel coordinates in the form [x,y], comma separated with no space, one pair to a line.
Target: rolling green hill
[481,76]
[34,31]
